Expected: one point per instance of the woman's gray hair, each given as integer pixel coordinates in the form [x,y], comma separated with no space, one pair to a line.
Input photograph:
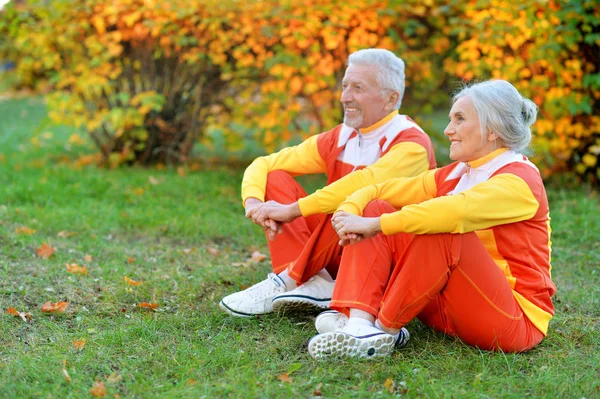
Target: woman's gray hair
[502,110]
[390,69]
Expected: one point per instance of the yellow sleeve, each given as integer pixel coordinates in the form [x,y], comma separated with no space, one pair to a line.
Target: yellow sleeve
[503,199]
[403,159]
[297,160]
[398,192]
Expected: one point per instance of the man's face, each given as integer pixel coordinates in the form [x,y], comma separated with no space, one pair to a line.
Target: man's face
[364,104]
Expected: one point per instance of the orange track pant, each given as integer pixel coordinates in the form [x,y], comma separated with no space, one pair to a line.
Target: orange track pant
[449,281]
[306,245]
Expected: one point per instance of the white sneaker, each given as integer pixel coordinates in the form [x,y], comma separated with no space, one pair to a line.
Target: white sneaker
[364,342]
[255,300]
[330,320]
[313,295]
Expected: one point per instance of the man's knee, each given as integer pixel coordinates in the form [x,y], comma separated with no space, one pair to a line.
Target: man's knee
[377,208]
[278,177]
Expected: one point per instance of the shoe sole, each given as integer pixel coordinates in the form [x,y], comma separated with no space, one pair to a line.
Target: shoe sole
[339,344]
[233,312]
[300,306]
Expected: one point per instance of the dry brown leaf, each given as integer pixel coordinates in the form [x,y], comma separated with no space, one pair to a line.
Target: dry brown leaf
[45,251]
[317,392]
[98,390]
[146,305]
[24,230]
[26,317]
[257,257]
[132,282]
[114,378]
[66,374]
[130,260]
[181,171]
[87,258]
[65,234]
[237,264]
[59,307]
[213,251]
[78,344]
[153,180]
[75,269]
[188,251]
[389,385]
[284,377]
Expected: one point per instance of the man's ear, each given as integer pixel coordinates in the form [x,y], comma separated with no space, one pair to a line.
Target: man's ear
[392,100]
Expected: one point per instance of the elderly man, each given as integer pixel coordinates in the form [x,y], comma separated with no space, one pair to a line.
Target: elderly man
[373,144]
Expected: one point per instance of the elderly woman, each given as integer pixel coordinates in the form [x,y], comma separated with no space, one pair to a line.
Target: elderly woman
[465,248]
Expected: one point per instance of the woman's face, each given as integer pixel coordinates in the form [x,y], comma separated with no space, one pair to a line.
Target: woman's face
[464,131]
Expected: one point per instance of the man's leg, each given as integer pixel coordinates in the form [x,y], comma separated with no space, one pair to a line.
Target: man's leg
[286,248]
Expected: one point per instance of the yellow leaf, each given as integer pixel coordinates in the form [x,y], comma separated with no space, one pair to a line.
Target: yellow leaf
[75,269]
[132,282]
[78,344]
[24,230]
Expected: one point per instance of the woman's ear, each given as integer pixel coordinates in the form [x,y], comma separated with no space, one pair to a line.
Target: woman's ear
[492,136]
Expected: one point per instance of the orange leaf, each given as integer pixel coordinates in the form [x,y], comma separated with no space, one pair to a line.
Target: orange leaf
[50,307]
[181,171]
[87,258]
[66,374]
[132,282]
[26,317]
[284,377]
[24,230]
[73,268]
[130,260]
[147,305]
[78,344]
[45,251]
[389,385]
[257,257]
[98,390]
[12,311]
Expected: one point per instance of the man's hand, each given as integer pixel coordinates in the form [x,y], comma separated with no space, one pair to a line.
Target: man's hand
[352,228]
[279,212]
[254,211]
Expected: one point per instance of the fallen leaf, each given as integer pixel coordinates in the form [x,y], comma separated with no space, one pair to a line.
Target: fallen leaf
[65,234]
[66,374]
[24,230]
[284,377]
[132,282]
[87,258]
[213,251]
[138,191]
[98,390]
[26,317]
[389,385]
[114,378]
[153,180]
[147,305]
[181,171]
[237,264]
[59,307]
[78,344]
[317,392]
[75,269]
[45,251]
[257,257]
[130,260]
[188,251]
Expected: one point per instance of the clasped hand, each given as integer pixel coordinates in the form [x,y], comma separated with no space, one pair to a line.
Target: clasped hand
[270,215]
[352,228]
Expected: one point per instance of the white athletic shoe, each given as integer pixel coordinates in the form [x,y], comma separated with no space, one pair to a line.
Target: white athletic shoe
[330,320]
[313,295]
[364,342]
[255,300]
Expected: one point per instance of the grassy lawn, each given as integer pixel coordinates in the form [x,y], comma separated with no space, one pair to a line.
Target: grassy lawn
[183,235]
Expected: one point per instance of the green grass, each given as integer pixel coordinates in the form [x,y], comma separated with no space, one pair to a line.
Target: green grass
[188,348]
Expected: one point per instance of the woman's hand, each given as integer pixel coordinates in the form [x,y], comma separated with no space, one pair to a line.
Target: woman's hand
[352,228]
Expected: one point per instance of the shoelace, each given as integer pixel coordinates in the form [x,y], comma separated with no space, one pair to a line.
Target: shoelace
[258,290]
